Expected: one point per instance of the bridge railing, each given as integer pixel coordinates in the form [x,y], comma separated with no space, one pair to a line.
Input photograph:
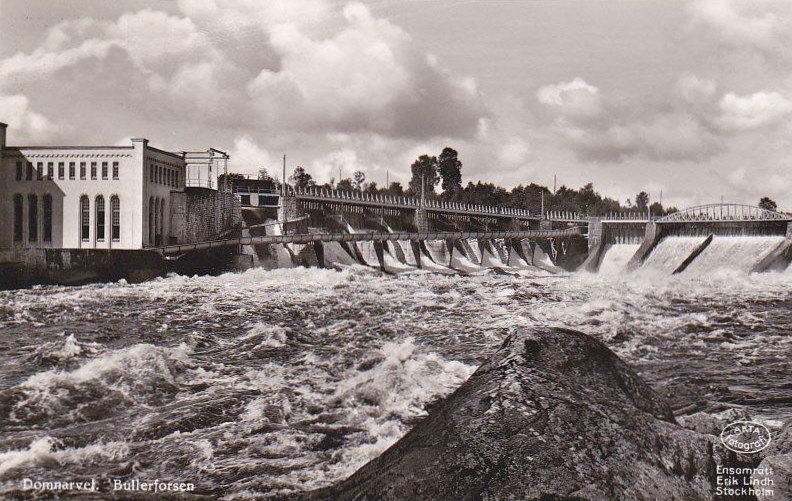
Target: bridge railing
[402,201]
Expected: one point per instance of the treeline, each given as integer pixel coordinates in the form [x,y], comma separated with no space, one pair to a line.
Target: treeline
[440,178]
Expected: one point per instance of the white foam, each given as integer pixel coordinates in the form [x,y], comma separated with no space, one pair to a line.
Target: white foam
[41,450]
[616,258]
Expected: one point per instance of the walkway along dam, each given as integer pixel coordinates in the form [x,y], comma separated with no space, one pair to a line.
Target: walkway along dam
[395,234]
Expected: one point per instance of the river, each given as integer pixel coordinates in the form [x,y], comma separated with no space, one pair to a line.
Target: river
[263,383]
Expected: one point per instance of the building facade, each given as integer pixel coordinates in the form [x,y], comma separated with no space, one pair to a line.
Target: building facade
[87,197]
[204,167]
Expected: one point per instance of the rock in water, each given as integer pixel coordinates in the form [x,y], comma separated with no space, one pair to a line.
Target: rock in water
[552,415]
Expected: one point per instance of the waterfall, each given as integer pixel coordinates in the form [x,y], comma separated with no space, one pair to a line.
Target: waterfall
[334,254]
[489,257]
[438,251]
[460,258]
[409,256]
[369,254]
[670,253]
[616,258]
[472,250]
[733,253]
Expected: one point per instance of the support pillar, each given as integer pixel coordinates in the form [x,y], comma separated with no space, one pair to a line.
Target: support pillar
[421,220]
[288,210]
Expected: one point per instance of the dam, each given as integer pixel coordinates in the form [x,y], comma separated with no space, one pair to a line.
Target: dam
[728,237]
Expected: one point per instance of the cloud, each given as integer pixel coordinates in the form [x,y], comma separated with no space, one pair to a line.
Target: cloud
[575,98]
[367,77]
[663,137]
[695,90]
[762,25]
[247,157]
[600,129]
[514,152]
[24,123]
[345,161]
[760,109]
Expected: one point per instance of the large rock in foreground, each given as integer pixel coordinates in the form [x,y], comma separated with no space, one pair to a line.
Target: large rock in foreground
[553,415]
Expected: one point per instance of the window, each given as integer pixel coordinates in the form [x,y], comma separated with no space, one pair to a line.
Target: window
[19,169]
[93,170]
[178,179]
[47,206]
[104,170]
[151,173]
[71,170]
[61,170]
[50,171]
[82,170]
[40,171]
[85,218]
[100,218]
[29,173]
[32,218]
[115,218]
[159,174]
[18,218]
[115,170]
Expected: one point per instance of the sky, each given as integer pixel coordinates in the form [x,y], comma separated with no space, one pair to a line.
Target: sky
[690,101]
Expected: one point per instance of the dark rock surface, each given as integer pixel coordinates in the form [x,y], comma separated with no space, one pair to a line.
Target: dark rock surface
[554,414]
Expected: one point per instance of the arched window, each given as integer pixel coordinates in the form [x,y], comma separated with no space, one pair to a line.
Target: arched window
[47,206]
[85,218]
[156,222]
[115,218]
[18,217]
[100,217]
[162,221]
[151,220]
[32,218]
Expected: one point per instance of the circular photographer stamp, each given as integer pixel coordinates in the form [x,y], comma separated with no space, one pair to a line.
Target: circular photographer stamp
[745,437]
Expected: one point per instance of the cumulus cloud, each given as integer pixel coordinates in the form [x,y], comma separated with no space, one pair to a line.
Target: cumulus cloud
[576,98]
[24,123]
[760,109]
[760,24]
[599,129]
[368,76]
[248,157]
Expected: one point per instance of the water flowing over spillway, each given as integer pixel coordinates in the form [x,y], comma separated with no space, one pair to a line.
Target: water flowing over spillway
[733,253]
[616,258]
[268,382]
[670,253]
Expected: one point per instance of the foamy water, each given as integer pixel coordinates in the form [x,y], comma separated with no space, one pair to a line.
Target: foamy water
[258,384]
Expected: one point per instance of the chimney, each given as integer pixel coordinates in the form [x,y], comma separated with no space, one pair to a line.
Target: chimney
[3,135]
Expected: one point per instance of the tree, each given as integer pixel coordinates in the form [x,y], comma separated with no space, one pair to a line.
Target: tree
[450,169]
[300,179]
[642,201]
[768,204]
[425,167]
[396,189]
[358,178]
[345,185]
[263,175]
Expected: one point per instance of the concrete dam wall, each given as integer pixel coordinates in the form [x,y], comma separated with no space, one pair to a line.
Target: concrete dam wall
[695,247]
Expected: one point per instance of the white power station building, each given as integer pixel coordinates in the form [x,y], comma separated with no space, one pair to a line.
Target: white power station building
[94,197]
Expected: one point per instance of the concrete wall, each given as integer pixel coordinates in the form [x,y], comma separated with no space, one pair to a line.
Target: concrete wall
[199,214]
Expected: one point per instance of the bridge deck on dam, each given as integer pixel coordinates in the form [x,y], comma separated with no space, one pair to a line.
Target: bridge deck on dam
[304,238]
